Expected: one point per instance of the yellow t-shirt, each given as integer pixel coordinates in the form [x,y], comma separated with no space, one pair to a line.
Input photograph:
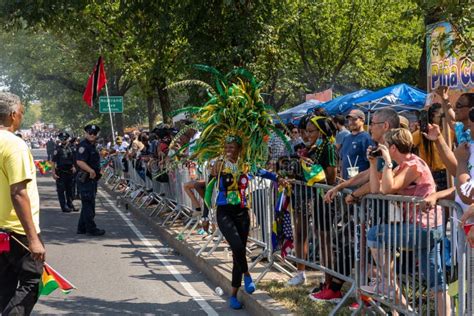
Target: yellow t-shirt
[16,165]
[435,163]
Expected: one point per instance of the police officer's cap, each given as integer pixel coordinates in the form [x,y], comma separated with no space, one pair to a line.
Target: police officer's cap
[92,129]
[63,136]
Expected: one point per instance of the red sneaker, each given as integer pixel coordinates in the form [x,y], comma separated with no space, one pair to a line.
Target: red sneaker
[355,306]
[326,295]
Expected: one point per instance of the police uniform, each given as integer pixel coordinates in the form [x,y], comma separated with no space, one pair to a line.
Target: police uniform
[63,157]
[88,153]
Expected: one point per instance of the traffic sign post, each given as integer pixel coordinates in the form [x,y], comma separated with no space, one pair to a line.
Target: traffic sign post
[116,104]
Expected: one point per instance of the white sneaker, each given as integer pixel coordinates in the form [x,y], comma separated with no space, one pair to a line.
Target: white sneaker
[298,279]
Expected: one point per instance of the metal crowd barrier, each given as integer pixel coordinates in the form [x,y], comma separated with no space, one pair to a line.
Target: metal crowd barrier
[406,255]
[333,238]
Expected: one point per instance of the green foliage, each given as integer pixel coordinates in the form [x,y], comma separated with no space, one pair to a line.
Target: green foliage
[295,47]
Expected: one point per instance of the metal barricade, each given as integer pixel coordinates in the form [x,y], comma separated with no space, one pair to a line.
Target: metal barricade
[406,259]
[373,246]
[324,235]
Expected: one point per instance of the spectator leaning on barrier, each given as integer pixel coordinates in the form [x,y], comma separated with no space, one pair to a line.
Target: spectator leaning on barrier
[20,269]
[412,177]
[320,132]
[354,146]
[383,120]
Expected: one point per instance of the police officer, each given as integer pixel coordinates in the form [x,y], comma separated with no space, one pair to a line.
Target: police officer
[63,172]
[88,161]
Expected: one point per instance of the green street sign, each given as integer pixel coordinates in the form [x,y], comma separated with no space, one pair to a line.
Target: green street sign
[116,104]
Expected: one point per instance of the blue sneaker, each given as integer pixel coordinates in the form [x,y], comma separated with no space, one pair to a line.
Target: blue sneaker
[234,303]
[249,285]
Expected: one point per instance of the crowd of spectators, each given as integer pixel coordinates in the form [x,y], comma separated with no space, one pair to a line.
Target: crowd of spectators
[390,154]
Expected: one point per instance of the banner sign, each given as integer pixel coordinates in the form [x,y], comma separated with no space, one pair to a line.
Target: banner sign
[446,68]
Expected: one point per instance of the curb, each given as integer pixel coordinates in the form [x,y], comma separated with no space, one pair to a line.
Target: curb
[259,303]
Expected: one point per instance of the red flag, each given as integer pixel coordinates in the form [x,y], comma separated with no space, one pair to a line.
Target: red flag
[96,82]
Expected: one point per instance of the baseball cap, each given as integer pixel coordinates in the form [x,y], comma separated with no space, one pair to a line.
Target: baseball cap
[356,114]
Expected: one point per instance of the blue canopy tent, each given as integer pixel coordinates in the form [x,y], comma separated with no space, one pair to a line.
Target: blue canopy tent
[400,97]
[342,104]
[295,113]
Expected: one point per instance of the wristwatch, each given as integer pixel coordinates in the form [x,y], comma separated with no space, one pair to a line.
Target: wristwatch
[389,165]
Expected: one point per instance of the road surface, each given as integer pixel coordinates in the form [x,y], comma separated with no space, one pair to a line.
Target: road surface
[124,272]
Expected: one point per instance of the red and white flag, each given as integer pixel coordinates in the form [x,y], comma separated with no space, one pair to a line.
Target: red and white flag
[96,82]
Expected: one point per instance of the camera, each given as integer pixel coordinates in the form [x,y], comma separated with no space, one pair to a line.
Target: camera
[376,152]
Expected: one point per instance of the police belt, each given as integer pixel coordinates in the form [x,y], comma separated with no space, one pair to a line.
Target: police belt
[64,170]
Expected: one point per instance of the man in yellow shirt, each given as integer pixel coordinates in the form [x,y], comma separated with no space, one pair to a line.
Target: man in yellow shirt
[20,269]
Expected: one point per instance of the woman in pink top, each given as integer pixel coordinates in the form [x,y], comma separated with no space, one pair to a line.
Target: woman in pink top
[412,177]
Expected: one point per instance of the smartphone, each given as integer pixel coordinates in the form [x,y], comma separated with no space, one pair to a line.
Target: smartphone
[424,121]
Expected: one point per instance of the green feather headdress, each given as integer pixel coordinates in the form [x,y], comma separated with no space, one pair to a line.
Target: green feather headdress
[234,110]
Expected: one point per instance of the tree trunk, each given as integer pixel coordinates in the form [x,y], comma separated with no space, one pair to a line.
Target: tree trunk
[151,112]
[164,98]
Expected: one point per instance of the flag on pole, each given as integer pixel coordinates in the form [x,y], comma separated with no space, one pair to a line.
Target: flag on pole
[96,82]
[52,280]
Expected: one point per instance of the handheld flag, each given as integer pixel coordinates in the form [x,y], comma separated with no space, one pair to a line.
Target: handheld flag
[96,82]
[313,174]
[43,166]
[52,280]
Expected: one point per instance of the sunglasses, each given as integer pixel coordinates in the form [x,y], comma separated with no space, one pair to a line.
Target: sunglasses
[93,133]
[471,115]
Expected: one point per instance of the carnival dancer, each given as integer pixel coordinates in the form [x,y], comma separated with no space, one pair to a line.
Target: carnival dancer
[235,125]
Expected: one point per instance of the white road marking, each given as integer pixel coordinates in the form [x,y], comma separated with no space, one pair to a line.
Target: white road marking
[178,276]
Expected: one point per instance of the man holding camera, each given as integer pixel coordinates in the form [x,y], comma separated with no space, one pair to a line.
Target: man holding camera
[382,121]
[88,161]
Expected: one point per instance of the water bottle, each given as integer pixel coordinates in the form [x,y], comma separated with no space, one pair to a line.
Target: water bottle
[219,291]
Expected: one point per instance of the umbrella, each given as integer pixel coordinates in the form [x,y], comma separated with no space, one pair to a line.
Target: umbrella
[399,97]
[342,104]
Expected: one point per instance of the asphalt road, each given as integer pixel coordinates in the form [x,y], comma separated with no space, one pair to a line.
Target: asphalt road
[124,272]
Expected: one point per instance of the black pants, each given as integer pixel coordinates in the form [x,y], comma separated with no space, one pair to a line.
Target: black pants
[65,188]
[20,276]
[234,223]
[88,192]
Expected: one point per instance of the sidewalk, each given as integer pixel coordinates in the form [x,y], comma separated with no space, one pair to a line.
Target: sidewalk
[216,267]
